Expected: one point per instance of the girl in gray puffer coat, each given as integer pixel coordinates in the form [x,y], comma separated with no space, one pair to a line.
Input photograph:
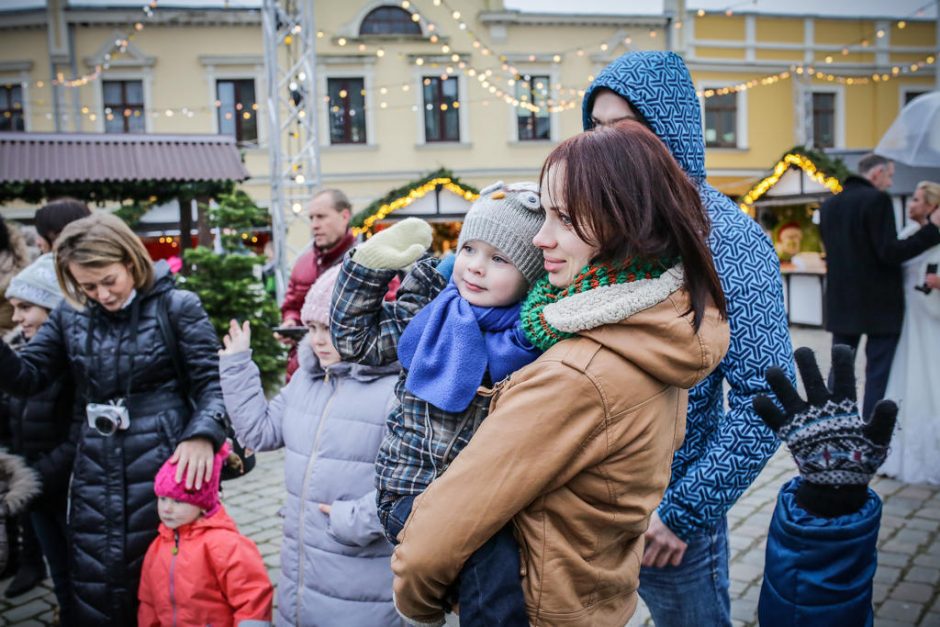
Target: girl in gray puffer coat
[335,560]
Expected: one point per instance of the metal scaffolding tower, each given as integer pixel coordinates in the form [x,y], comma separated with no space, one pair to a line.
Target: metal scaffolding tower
[290,59]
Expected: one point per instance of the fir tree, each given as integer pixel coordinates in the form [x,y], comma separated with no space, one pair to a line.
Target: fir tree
[229,283]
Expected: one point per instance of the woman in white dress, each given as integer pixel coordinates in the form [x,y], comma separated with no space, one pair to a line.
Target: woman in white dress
[915,372]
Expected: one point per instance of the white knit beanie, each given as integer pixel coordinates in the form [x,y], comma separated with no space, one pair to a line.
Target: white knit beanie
[507,217]
[37,283]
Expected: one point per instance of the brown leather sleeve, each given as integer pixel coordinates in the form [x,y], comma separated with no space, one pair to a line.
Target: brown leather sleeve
[542,431]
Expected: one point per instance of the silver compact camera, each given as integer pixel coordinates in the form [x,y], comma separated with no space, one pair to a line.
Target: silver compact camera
[108,418]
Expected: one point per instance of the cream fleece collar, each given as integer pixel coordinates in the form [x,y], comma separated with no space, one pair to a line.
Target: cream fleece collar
[612,303]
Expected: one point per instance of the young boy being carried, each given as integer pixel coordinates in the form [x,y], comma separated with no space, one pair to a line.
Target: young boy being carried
[456,341]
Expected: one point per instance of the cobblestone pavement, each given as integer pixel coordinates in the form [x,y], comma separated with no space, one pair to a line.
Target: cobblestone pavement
[907,582]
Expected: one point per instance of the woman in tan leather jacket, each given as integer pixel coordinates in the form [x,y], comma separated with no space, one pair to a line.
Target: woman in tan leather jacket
[578,445]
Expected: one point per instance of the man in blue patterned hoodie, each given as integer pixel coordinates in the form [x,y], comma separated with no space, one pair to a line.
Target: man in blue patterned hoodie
[684,580]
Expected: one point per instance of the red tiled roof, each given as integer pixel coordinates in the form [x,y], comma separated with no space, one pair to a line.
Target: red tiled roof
[68,157]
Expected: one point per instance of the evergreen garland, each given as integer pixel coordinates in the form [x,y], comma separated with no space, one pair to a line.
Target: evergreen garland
[828,165]
[359,218]
[136,197]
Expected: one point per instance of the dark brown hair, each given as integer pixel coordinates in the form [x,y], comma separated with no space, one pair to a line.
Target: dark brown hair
[52,217]
[626,195]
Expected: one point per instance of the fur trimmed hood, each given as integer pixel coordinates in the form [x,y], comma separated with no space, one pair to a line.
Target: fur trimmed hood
[311,364]
[19,484]
[14,259]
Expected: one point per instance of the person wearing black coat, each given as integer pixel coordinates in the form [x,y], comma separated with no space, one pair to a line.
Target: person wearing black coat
[44,429]
[108,337]
[864,284]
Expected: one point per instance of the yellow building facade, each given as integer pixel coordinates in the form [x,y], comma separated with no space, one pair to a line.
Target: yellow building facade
[406,88]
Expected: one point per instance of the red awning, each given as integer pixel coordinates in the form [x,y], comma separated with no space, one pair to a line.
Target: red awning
[68,157]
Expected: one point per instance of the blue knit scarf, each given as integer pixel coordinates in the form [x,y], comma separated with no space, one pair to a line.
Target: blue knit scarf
[449,346]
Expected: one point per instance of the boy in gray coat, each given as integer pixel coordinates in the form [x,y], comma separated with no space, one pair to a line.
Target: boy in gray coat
[330,418]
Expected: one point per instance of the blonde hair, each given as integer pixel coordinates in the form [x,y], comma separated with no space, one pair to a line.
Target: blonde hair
[97,241]
[931,192]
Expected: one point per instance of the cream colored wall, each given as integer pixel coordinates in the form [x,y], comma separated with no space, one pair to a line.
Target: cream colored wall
[783,30]
[869,109]
[487,152]
[29,46]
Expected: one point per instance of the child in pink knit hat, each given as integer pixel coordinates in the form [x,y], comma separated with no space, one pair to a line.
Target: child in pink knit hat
[200,570]
[330,421]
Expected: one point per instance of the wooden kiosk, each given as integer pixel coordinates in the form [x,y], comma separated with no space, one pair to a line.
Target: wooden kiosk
[786,204]
[439,197]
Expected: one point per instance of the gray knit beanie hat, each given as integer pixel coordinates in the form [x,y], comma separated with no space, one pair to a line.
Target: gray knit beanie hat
[37,283]
[507,217]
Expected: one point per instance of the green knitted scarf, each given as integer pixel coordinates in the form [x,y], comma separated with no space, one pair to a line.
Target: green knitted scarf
[543,335]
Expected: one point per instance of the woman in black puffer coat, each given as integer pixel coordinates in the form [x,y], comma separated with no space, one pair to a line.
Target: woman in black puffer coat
[108,336]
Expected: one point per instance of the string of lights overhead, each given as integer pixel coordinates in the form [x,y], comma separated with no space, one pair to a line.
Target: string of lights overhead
[500,81]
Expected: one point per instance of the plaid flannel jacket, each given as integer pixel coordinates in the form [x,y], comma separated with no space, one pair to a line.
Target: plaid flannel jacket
[421,439]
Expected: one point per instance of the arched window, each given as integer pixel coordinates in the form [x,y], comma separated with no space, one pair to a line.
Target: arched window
[389,20]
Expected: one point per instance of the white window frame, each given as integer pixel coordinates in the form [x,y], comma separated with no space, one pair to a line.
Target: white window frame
[22,79]
[839,121]
[213,75]
[367,74]
[741,123]
[904,90]
[553,124]
[463,114]
[145,77]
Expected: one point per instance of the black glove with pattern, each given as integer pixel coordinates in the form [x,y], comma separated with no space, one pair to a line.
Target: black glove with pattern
[835,450]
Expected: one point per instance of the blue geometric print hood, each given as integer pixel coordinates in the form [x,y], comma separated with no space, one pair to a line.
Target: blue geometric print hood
[658,85]
[724,449]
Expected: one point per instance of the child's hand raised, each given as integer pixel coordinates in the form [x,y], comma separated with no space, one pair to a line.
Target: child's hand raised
[396,247]
[238,339]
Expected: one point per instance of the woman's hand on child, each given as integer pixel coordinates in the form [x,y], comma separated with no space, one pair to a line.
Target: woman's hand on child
[193,459]
[238,339]
[396,247]
[326,508]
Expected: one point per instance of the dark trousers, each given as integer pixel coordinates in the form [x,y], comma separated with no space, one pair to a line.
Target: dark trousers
[30,549]
[489,588]
[48,521]
[879,353]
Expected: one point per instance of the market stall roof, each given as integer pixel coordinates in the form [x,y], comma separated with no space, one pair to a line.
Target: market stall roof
[796,178]
[74,157]
[417,196]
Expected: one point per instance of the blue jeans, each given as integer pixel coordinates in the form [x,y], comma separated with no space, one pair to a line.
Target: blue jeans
[489,589]
[696,591]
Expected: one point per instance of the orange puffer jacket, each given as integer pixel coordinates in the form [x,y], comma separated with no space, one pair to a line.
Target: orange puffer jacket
[204,573]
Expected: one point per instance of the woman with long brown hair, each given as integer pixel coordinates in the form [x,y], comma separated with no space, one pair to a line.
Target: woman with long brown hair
[577,448]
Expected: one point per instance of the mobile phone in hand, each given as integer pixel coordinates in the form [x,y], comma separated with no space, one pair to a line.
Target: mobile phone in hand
[294,333]
[926,289]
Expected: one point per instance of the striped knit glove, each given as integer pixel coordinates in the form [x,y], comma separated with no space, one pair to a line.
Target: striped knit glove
[396,247]
[835,450]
